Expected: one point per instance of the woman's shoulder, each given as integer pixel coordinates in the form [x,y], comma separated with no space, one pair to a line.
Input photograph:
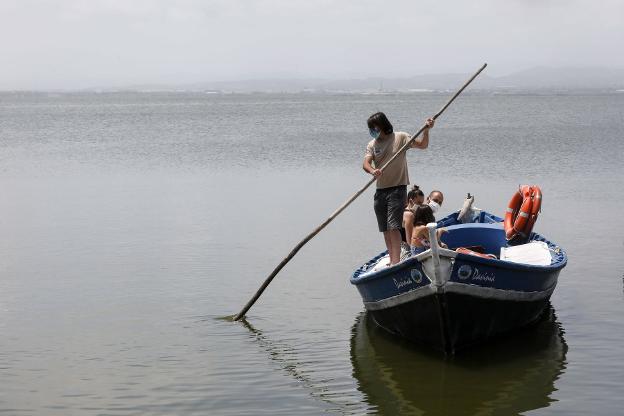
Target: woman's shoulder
[400,137]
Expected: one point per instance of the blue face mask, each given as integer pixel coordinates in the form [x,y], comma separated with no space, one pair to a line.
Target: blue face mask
[374,133]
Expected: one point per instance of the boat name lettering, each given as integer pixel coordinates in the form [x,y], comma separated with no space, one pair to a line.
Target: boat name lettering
[402,282]
[488,277]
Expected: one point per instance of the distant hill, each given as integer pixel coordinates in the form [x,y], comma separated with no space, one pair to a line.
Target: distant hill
[538,78]
[573,78]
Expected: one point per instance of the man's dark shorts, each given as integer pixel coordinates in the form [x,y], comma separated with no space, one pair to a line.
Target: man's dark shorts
[389,206]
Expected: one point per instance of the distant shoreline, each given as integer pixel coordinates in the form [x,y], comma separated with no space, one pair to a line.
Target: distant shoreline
[506,91]
[533,80]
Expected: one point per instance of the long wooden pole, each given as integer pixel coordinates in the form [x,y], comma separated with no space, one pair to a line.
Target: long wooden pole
[345,205]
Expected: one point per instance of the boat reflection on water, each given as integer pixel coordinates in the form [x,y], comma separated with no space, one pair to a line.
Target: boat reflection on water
[508,376]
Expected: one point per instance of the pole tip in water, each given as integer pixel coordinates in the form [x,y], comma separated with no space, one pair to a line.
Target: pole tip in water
[228,318]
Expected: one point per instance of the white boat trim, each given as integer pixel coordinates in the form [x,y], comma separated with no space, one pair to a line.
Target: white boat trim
[464,289]
[400,299]
[499,294]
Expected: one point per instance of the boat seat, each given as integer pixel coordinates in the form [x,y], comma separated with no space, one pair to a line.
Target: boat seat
[491,237]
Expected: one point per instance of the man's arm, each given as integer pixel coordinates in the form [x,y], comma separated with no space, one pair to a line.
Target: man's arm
[423,141]
[368,168]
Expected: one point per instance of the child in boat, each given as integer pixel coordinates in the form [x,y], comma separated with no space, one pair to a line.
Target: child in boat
[423,214]
[415,197]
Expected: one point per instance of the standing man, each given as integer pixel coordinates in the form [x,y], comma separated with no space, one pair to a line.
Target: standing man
[391,195]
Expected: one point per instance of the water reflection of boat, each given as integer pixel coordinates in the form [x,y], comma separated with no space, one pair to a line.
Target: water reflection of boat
[511,375]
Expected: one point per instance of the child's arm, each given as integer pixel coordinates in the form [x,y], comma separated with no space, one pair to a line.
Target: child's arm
[439,233]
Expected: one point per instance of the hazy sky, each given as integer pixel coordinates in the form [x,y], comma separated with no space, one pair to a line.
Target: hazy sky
[91,43]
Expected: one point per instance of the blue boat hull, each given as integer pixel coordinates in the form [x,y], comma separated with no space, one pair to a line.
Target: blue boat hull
[461,299]
[462,320]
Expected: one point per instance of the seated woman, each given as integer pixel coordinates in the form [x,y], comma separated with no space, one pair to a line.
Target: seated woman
[415,197]
[423,214]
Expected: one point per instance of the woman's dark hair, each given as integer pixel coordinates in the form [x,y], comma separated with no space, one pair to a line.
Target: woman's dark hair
[380,121]
[423,215]
[414,192]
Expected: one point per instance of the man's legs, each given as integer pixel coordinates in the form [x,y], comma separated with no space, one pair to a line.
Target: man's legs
[389,205]
[393,243]
[397,199]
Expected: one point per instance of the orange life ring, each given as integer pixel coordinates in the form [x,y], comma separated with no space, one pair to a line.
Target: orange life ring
[518,212]
[535,209]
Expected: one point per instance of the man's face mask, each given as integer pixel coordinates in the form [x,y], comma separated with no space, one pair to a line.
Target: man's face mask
[434,206]
[374,133]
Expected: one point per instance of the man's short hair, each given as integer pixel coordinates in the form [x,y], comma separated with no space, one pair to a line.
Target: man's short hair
[380,121]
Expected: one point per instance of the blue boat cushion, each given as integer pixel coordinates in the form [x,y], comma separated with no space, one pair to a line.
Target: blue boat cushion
[491,237]
[483,217]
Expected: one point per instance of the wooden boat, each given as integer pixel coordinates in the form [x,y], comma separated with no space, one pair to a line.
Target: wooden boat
[451,299]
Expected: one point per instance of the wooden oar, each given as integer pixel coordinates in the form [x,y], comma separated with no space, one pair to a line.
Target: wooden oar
[345,205]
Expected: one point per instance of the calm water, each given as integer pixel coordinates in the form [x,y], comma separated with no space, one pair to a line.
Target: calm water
[130,222]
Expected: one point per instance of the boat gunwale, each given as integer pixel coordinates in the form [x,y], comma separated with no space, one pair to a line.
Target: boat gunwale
[361,276]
